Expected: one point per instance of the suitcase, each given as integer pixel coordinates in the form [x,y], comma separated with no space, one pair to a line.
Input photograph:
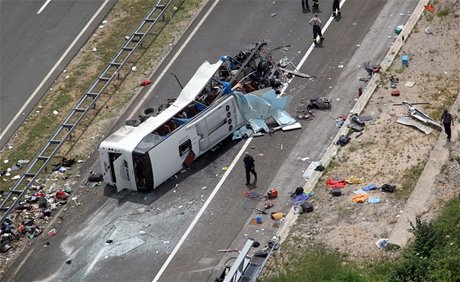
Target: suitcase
[272,194]
[336,192]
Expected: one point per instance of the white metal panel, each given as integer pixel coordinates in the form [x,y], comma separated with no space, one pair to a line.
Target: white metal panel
[165,158]
[198,82]
[122,174]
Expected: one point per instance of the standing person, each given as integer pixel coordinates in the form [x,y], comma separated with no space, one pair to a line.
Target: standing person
[305,6]
[249,165]
[336,8]
[447,121]
[316,23]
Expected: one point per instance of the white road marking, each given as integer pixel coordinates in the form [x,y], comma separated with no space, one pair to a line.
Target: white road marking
[230,168]
[203,208]
[214,192]
[155,83]
[53,69]
[312,46]
[21,264]
[43,7]
[98,256]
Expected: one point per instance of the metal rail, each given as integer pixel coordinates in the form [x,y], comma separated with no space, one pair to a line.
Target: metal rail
[86,103]
[238,268]
[247,268]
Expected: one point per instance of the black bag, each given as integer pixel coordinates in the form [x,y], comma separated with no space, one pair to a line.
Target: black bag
[343,140]
[388,188]
[320,168]
[299,191]
[336,192]
[95,177]
[307,207]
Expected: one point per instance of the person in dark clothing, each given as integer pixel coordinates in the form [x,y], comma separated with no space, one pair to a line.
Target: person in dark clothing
[305,6]
[447,121]
[316,23]
[249,165]
[336,8]
[316,5]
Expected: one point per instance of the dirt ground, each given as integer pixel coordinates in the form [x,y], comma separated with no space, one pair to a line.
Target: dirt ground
[388,152]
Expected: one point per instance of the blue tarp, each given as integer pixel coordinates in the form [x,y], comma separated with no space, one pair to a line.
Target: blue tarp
[242,133]
[258,125]
[260,105]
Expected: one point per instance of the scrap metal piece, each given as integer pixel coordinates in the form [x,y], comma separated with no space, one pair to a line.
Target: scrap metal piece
[236,272]
[293,126]
[260,105]
[354,118]
[366,118]
[414,123]
[421,116]
[297,73]
[321,103]
[355,127]
[356,123]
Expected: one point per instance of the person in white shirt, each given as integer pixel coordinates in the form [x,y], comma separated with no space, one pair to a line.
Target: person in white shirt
[316,23]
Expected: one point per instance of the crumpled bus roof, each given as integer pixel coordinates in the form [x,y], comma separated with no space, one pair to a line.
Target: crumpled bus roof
[131,136]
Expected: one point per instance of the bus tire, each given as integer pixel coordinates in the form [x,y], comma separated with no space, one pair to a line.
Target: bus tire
[133,122]
[95,177]
[148,112]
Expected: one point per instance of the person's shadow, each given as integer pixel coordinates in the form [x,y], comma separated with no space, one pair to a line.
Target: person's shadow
[252,185]
[449,143]
[318,44]
[315,10]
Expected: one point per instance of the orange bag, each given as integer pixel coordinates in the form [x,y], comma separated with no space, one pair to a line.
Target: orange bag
[273,193]
[360,198]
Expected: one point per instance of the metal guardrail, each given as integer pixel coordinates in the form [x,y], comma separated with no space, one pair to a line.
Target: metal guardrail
[86,103]
[238,268]
[247,268]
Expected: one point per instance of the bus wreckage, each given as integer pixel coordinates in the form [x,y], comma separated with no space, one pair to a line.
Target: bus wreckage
[235,95]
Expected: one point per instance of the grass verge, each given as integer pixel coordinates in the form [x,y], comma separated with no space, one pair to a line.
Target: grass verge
[84,69]
[434,255]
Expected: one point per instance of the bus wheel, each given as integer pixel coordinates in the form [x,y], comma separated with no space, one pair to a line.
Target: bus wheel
[133,122]
[148,112]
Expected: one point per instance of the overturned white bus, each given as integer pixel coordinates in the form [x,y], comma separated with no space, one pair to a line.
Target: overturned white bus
[206,112]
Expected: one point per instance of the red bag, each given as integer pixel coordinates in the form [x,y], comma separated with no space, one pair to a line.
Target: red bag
[61,195]
[145,82]
[331,183]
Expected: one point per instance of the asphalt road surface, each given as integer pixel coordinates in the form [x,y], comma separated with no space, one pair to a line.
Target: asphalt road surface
[38,40]
[148,229]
